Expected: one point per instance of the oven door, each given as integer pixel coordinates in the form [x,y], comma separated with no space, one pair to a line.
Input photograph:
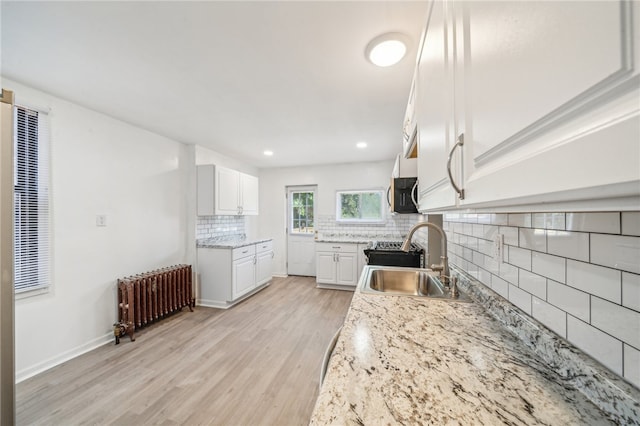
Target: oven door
[412,259]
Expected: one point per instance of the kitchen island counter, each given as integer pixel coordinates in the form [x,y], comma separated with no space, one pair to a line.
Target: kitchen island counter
[406,360]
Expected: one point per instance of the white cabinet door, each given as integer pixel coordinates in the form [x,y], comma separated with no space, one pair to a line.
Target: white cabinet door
[325,267]
[346,268]
[264,261]
[249,194]
[243,276]
[550,99]
[434,113]
[227,191]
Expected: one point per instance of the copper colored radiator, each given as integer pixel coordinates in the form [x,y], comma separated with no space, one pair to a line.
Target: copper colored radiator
[148,297]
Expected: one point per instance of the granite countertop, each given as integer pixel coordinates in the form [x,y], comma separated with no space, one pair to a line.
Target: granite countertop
[229,243]
[406,360]
[356,239]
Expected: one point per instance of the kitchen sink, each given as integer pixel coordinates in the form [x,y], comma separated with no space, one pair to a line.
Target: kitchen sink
[395,281]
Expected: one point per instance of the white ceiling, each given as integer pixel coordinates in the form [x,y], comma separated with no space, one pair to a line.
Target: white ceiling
[237,77]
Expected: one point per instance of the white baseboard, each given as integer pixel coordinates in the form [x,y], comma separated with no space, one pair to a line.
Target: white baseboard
[63,357]
[223,304]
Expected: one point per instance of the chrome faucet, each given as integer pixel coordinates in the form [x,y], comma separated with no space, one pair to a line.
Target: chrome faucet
[443,267]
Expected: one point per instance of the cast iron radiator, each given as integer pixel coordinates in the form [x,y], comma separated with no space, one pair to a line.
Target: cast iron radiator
[149,297]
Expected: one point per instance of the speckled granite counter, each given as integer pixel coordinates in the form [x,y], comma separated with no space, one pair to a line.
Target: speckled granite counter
[231,244]
[405,360]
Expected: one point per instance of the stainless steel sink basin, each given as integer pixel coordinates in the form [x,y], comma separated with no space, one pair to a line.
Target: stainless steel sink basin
[406,282]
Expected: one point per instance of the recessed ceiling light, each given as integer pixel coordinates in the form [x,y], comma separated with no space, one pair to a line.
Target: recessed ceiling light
[387,49]
[268,153]
[361,145]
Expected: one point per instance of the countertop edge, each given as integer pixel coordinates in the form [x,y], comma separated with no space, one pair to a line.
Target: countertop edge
[231,244]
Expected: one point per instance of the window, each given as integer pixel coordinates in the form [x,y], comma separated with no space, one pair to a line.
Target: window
[31,200]
[301,212]
[360,206]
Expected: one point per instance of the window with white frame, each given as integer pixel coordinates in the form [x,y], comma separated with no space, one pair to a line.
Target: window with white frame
[361,206]
[31,200]
[301,213]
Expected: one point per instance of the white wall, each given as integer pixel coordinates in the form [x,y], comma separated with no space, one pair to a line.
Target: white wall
[272,220]
[100,165]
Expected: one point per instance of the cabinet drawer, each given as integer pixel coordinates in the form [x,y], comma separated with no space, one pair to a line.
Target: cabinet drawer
[266,246]
[337,247]
[240,252]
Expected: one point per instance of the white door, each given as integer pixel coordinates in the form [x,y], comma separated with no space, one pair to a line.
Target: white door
[301,250]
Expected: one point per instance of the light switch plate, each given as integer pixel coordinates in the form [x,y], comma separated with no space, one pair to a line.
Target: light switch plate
[101,220]
[498,248]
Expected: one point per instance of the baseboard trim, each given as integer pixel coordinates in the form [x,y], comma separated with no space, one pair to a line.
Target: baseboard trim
[45,365]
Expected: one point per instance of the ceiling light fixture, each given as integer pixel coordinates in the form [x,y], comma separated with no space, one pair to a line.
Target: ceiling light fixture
[361,145]
[268,153]
[387,49]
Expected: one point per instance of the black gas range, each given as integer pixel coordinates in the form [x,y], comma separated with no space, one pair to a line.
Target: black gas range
[388,253]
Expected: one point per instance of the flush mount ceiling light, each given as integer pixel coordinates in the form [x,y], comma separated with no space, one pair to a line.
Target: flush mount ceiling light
[387,49]
[361,145]
[268,153]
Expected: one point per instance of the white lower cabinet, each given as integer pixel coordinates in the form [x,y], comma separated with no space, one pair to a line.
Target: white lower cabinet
[264,262]
[337,265]
[228,275]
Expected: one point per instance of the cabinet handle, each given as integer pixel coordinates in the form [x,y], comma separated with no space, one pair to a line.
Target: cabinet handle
[459,190]
[255,259]
[273,254]
[335,247]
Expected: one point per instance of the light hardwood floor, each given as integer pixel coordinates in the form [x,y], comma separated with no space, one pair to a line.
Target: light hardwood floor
[257,363]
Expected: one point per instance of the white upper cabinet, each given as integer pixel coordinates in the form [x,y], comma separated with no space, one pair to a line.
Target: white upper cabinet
[223,191]
[546,95]
[434,112]
[248,194]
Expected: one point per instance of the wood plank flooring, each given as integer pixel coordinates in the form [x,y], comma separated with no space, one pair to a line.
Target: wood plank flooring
[257,363]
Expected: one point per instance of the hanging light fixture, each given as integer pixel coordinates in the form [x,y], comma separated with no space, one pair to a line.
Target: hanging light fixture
[387,49]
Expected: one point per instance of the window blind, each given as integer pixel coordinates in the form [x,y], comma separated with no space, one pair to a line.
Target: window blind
[31,200]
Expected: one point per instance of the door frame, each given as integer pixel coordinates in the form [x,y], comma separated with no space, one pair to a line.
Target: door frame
[289,189]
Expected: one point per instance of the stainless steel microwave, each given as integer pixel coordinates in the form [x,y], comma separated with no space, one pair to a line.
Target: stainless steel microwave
[402,195]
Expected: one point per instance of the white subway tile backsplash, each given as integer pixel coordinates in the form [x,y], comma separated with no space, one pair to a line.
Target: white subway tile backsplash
[532,283]
[606,223]
[597,280]
[620,252]
[520,219]
[549,266]
[631,291]
[489,232]
[601,346]
[549,315]
[568,299]
[533,239]
[519,257]
[500,286]
[631,223]
[579,275]
[509,273]
[632,365]
[616,320]
[573,245]
[520,298]
[548,220]
[510,235]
